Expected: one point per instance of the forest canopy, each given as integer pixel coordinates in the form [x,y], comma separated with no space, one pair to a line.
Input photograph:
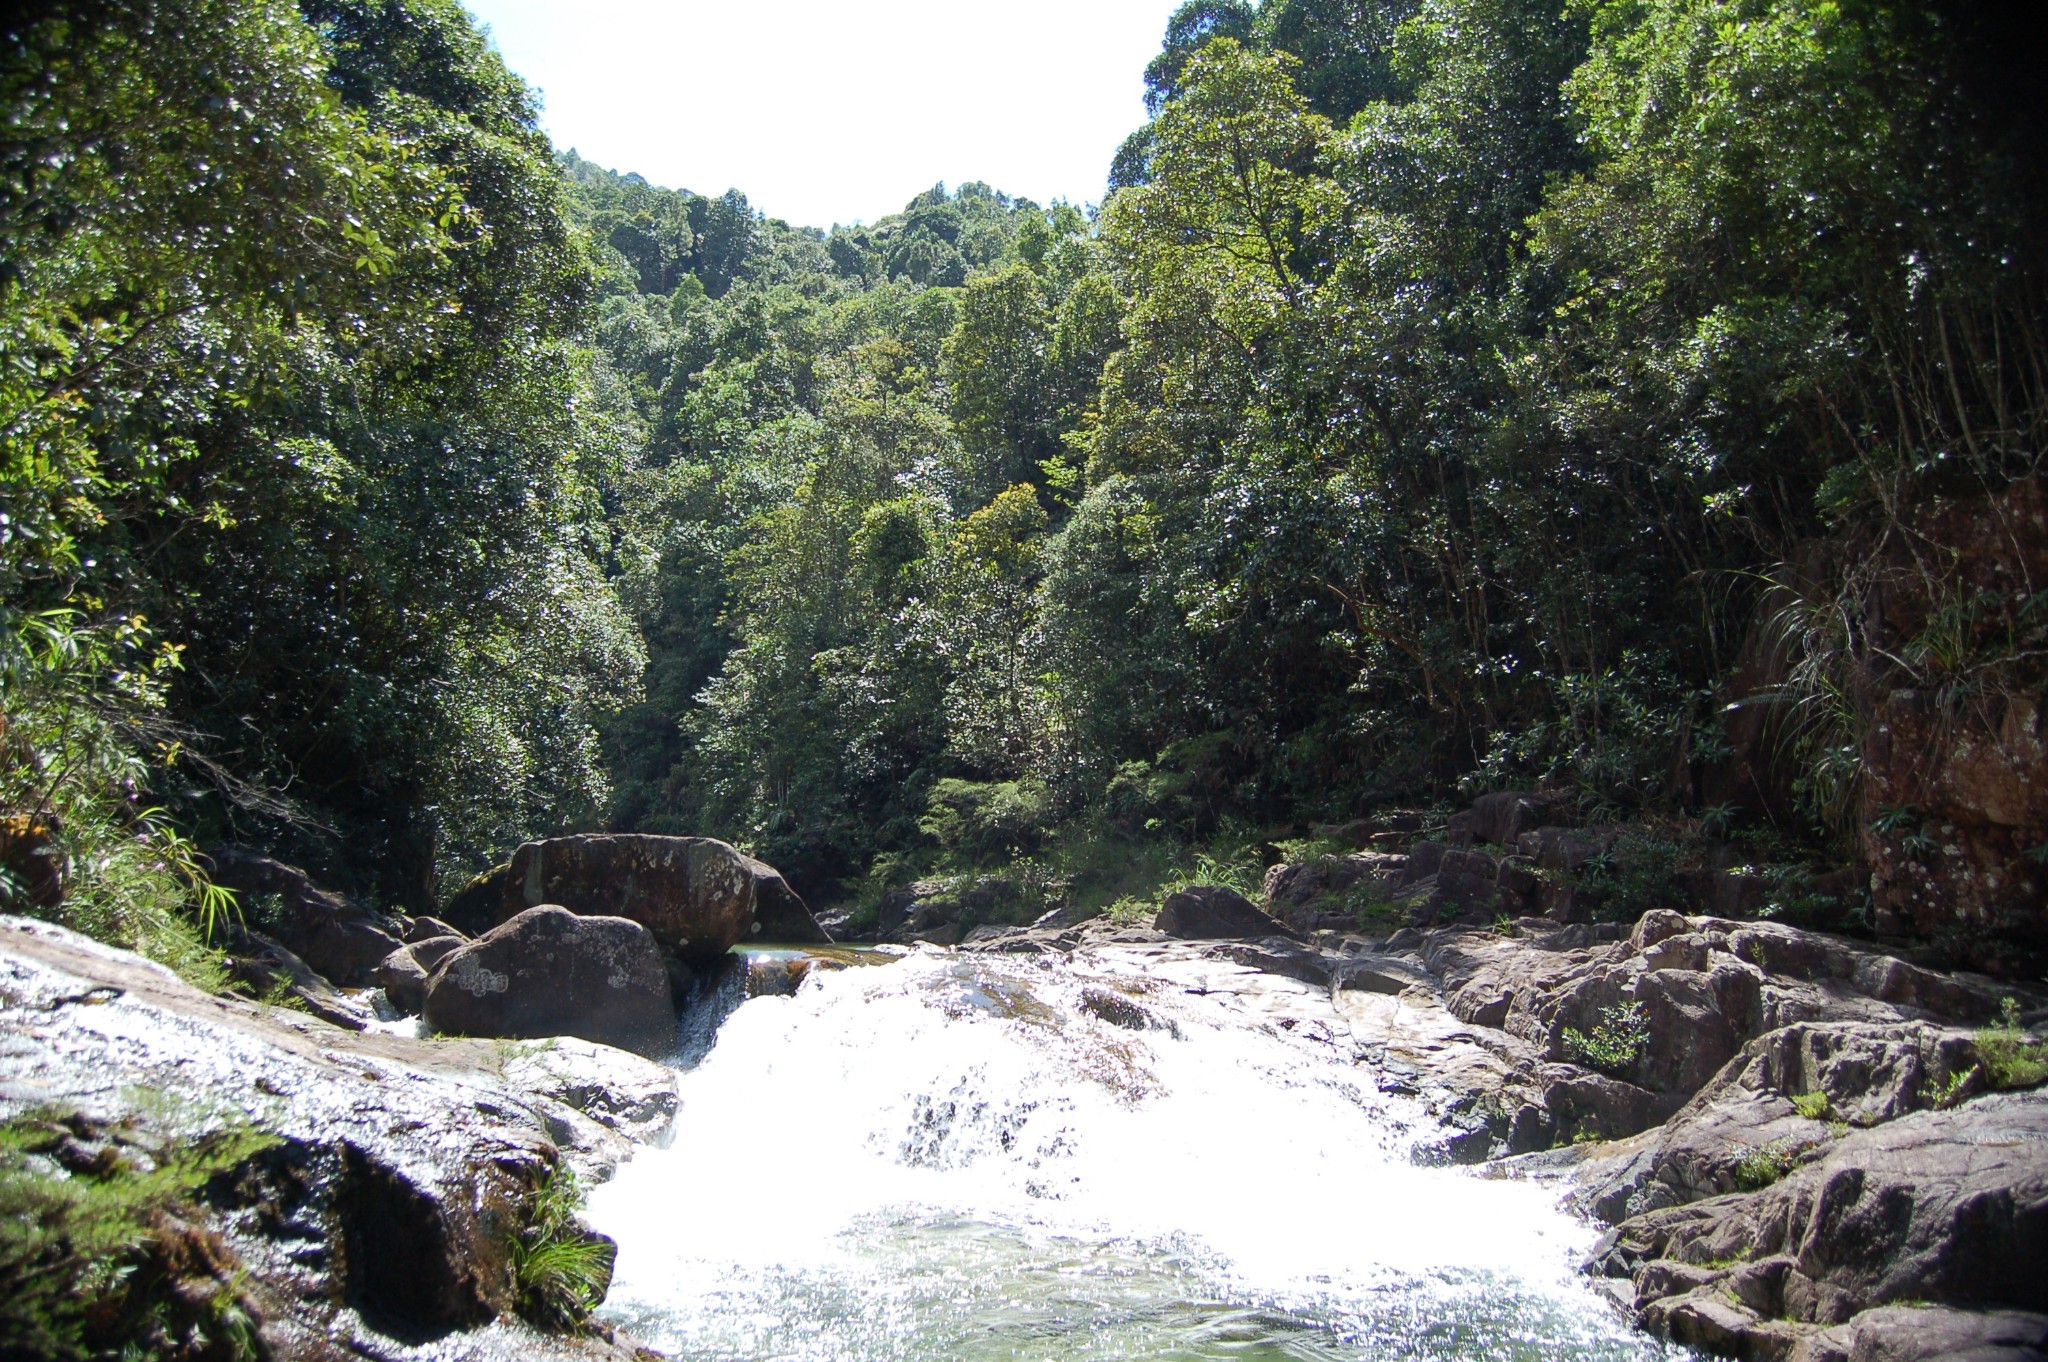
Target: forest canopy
[1428,407]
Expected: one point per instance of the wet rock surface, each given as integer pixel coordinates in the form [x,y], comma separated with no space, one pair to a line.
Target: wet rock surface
[696,895]
[551,972]
[379,1224]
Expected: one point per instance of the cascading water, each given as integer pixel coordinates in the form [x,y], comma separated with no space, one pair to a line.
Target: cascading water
[957,1157]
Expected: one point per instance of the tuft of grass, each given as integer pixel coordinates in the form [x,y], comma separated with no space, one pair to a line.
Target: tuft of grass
[561,1269]
[1617,1040]
[2008,1058]
[1814,1106]
[1758,1166]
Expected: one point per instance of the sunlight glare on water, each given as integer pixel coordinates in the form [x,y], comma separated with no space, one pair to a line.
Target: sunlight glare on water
[971,1157]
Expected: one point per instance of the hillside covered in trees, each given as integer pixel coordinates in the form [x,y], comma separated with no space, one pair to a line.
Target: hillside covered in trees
[1632,398]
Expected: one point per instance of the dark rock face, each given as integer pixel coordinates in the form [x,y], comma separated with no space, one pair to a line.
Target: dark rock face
[550,972]
[1850,1074]
[1500,818]
[427,928]
[404,981]
[780,914]
[1942,1206]
[339,939]
[382,1218]
[696,895]
[1706,986]
[1213,912]
[266,967]
[481,904]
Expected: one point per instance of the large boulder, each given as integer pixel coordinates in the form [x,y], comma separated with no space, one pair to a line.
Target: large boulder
[268,970]
[695,894]
[481,904]
[1212,912]
[780,914]
[551,972]
[342,940]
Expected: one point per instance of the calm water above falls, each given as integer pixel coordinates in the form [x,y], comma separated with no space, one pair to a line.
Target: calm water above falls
[959,1158]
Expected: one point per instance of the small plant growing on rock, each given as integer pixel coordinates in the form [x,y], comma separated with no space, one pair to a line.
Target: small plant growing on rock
[1813,1106]
[2009,1059]
[104,1255]
[1617,1040]
[1947,1094]
[1758,1166]
[561,1268]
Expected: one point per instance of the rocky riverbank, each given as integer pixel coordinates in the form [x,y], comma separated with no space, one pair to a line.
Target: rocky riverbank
[1804,1149]
[391,1200]
[1798,1142]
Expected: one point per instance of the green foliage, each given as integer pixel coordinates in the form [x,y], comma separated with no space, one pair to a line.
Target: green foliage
[1616,1042]
[99,1258]
[561,1269]
[2008,1057]
[1758,1166]
[1814,1106]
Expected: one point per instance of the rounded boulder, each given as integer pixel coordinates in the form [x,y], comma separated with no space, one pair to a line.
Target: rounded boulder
[551,972]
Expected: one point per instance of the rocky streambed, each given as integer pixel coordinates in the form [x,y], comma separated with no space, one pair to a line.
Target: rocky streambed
[1781,1144]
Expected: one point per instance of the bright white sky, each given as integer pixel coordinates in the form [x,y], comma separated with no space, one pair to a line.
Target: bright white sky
[832,111]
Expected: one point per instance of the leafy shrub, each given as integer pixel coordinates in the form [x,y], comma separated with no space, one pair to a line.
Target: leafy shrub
[94,1262]
[986,820]
[562,1270]
[78,846]
[2009,1059]
[1617,1041]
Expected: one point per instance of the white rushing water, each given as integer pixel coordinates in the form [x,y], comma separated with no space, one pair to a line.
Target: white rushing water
[956,1157]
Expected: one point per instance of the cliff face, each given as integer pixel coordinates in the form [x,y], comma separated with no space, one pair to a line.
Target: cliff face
[1955,800]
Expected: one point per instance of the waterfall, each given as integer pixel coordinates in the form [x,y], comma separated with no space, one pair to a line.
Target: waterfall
[955,1156]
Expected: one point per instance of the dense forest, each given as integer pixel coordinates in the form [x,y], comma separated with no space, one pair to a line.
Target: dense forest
[1447,395]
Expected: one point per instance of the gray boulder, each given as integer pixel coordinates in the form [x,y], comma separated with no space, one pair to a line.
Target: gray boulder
[1206,912]
[1948,1207]
[551,972]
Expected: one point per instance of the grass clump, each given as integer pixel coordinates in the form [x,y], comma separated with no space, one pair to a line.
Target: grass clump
[561,1269]
[1814,1106]
[2008,1058]
[1616,1042]
[1758,1166]
[100,1254]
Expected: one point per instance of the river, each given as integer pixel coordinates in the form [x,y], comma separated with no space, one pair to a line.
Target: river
[962,1157]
